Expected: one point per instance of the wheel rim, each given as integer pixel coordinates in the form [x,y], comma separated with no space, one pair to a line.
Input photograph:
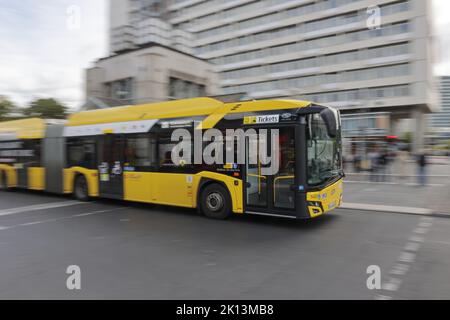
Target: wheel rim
[214,201]
[81,189]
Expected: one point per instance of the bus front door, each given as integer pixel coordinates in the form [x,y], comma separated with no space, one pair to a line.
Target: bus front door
[110,166]
[271,191]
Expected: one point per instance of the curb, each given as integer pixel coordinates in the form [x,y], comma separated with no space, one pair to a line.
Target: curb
[441,215]
[393,209]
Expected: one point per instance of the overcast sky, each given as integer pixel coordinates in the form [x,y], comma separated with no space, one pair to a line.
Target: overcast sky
[46,44]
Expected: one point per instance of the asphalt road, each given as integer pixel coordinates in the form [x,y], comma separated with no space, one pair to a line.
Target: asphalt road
[133,251]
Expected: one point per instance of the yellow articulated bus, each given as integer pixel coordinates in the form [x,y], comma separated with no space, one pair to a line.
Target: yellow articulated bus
[270,157]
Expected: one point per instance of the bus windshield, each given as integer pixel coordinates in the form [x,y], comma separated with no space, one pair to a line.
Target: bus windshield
[324,152]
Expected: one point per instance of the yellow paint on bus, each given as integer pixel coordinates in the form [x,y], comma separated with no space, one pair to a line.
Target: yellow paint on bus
[91,177]
[328,199]
[36,178]
[177,189]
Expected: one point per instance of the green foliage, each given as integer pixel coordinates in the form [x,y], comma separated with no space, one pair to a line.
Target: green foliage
[6,106]
[46,109]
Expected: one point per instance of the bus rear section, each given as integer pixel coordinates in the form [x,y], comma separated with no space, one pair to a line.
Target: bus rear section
[32,155]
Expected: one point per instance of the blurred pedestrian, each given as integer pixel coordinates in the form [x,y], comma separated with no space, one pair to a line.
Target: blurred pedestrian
[401,163]
[382,166]
[421,166]
[373,157]
[346,159]
[357,163]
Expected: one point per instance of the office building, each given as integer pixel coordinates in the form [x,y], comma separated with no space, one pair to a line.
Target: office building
[329,51]
[150,73]
[441,119]
[362,56]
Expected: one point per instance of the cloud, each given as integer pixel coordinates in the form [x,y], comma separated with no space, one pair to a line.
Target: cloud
[441,34]
[46,45]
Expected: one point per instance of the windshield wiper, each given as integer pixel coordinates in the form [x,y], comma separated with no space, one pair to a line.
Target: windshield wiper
[331,174]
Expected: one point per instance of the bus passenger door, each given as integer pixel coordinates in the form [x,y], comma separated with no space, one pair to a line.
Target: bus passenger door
[271,193]
[110,166]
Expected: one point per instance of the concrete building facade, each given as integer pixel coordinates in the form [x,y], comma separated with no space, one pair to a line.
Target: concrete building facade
[137,22]
[441,119]
[148,74]
[329,51]
[362,56]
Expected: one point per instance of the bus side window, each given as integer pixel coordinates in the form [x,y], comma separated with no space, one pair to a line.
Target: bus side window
[35,153]
[81,153]
[140,152]
[165,148]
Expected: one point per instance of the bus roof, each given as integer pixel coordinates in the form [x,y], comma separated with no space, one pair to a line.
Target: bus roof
[214,110]
[33,128]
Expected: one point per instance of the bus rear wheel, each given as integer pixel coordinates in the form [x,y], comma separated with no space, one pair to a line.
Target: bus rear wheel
[3,182]
[215,202]
[81,189]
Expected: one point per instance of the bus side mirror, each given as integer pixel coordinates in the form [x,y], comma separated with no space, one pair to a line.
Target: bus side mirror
[330,120]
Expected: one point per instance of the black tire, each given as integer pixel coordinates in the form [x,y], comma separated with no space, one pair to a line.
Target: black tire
[81,189]
[215,202]
[3,183]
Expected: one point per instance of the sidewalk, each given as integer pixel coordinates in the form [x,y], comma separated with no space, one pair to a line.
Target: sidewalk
[433,199]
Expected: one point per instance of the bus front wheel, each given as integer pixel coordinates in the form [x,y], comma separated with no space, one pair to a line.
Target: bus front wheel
[215,202]
[81,189]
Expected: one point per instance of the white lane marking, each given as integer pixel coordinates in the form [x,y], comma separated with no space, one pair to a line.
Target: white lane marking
[63,218]
[421,230]
[210,264]
[382,297]
[392,285]
[95,212]
[407,257]
[412,246]
[417,239]
[30,223]
[400,269]
[425,224]
[38,207]
[4,228]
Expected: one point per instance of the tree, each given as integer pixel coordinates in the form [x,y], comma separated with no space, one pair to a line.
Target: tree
[46,109]
[6,106]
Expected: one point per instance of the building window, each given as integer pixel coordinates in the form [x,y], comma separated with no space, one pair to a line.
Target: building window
[120,89]
[181,89]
